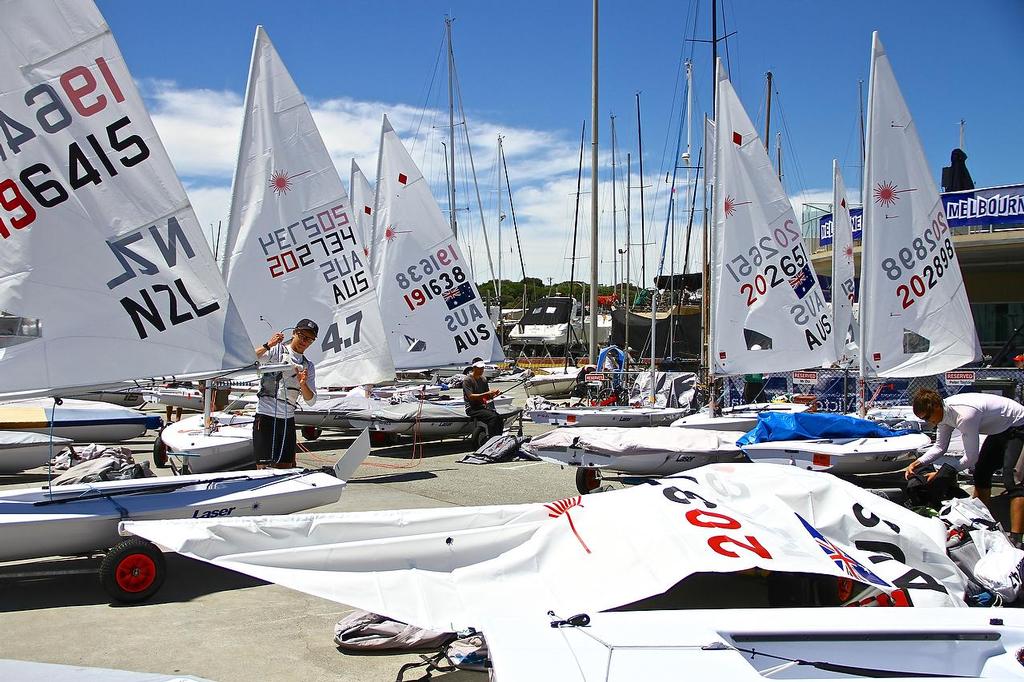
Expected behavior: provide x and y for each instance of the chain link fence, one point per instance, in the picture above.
(835, 390)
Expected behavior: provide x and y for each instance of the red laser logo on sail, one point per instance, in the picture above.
(730, 206)
(887, 193)
(281, 182)
(561, 507)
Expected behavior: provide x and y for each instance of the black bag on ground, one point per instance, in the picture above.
(924, 493)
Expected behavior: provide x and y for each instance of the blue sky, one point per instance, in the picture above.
(524, 71)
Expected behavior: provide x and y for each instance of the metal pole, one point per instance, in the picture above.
(451, 125)
(615, 226)
(768, 113)
(629, 193)
(592, 332)
(500, 218)
(778, 153)
(643, 231)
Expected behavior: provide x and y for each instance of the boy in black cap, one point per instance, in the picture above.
(273, 431)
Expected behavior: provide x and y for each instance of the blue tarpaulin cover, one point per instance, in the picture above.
(775, 426)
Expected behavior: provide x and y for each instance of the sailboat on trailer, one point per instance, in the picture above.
(93, 208)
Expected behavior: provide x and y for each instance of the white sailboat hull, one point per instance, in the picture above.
(739, 418)
(626, 417)
(842, 455)
(20, 451)
(715, 644)
(84, 421)
(227, 446)
(31, 526)
(131, 398)
(427, 420)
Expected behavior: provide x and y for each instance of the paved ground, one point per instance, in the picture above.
(226, 627)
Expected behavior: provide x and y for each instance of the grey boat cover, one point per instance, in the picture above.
(671, 389)
(425, 412)
(19, 439)
(612, 441)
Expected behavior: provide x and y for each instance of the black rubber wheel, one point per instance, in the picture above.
(133, 570)
(310, 432)
(587, 480)
(160, 452)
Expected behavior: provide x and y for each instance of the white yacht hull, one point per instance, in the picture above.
(83, 421)
(227, 446)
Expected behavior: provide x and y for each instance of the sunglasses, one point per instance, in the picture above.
(308, 338)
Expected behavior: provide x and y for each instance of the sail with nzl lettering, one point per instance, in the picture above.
(843, 277)
(431, 306)
(106, 273)
(768, 312)
(292, 248)
(915, 317)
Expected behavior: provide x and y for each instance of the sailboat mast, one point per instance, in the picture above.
(515, 225)
(451, 126)
(575, 231)
(866, 227)
(500, 218)
(615, 225)
(778, 154)
(592, 331)
(629, 242)
(768, 111)
(643, 231)
(860, 106)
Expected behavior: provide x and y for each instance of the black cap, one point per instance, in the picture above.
(307, 324)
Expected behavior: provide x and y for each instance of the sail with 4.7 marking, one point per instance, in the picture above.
(292, 249)
(915, 317)
(431, 306)
(101, 255)
(768, 312)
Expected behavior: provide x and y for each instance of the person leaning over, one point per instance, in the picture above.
(477, 393)
(273, 431)
(974, 414)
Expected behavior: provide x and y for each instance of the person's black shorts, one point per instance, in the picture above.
(273, 440)
(1001, 450)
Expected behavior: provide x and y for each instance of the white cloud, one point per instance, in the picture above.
(200, 129)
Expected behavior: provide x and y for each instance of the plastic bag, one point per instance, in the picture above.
(1000, 566)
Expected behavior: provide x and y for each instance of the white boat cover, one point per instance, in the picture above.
(616, 441)
(844, 288)
(431, 307)
(452, 568)
(292, 249)
(916, 319)
(93, 208)
(423, 411)
(15, 440)
(768, 312)
(623, 417)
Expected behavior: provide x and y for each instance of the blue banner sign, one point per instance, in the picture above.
(825, 225)
(975, 207)
(989, 206)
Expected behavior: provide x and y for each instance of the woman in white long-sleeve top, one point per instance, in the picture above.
(974, 414)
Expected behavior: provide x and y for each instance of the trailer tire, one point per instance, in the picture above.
(160, 452)
(133, 570)
(310, 432)
(588, 480)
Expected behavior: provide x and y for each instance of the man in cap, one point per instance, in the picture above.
(477, 394)
(273, 431)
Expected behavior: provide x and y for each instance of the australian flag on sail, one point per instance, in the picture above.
(459, 295)
(803, 281)
(844, 561)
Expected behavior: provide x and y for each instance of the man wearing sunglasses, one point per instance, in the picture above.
(273, 431)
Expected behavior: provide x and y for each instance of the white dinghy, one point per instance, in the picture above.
(426, 419)
(20, 450)
(737, 418)
(84, 421)
(225, 444)
(552, 382)
(842, 456)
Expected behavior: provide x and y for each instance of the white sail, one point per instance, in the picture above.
(769, 313)
(292, 249)
(100, 251)
(362, 202)
(431, 306)
(916, 319)
(843, 282)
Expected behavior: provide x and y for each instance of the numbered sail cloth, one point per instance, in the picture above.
(432, 309)
(449, 569)
(844, 290)
(768, 311)
(916, 319)
(293, 249)
(101, 254)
